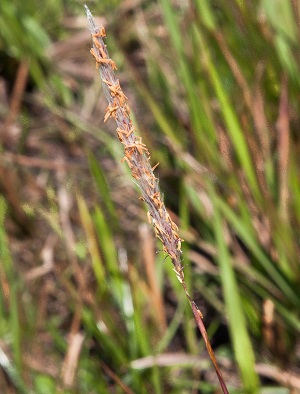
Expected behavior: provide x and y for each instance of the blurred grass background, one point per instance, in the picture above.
(88, 302)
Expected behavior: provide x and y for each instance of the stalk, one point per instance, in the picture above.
(137, 156)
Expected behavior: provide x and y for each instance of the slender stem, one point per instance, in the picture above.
(202, 329)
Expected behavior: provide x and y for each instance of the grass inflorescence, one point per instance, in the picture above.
(87, 305)
(137, 157)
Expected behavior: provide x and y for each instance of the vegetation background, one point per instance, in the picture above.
(88, 302)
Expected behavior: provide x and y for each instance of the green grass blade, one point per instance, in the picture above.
(14, 369)
(13, 373)
(252, 244)
(237, 323)
(230, 118)
(97, 261)
(108, 249)
(200, 121)
(103, 188)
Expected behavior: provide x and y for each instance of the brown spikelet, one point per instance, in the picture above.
(136, 153)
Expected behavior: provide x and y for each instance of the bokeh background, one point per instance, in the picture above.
(89, 303)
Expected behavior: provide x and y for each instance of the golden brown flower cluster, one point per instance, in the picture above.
(136, 153)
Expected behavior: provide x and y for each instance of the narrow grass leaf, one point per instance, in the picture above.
(112, 348)
(231, 120)
(88, 226)
(252, 244)
(13, 373)
(11, 278)
(105, 238)
(201, 123)
(103, 188)
(237, 323)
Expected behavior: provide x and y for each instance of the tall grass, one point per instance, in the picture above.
(222, 121)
